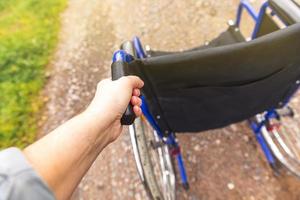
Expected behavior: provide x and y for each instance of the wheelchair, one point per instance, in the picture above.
(228, 80)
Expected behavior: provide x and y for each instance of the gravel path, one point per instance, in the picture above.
(221, 164)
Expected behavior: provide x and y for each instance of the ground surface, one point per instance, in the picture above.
(221, 164)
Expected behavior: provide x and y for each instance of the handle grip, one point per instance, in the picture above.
(118, 69)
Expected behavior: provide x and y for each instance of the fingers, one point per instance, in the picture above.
(136, 92)
(134, 81)
(137, 111)
(136, 101)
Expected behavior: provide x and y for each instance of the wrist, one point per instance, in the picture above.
(105, 125)
(98, 116)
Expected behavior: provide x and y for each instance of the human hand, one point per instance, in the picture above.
(111, 100)
(79, 141)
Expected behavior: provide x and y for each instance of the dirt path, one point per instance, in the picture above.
(221, 164)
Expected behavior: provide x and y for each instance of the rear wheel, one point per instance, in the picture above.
(283, 137)
(153, 160)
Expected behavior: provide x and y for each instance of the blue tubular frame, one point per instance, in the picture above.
(257, 127)
(139, 48)
(149, 117)
(121, 55)
(170, 140)
(244, 4)
(262, 11)
(259, 137)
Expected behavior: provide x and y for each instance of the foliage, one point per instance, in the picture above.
(28, 34)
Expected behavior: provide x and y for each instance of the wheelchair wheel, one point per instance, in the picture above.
(153, 161)
(283, 136)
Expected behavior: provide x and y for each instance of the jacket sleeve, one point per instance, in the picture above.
(18, 180)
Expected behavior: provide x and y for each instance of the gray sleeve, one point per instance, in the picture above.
(18, 180)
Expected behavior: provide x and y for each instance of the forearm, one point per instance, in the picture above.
(63, 156)
(70, 149)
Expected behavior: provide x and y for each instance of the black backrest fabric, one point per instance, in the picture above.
(211, 88)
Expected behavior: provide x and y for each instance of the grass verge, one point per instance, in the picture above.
(28, 36)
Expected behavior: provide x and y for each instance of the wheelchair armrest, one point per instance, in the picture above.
(287, 10)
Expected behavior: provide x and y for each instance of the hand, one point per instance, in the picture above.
(78, 142)
(112, 98)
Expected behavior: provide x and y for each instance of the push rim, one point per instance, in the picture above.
(162, 162)
(153, 161)
(283, 138)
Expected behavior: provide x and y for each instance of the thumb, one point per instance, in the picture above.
(132, 81)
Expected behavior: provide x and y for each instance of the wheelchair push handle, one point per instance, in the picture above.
(119, 69)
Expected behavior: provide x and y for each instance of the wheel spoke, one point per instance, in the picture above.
(155, 159)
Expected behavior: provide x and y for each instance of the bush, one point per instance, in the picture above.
(28, 34)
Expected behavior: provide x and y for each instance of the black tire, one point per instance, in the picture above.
(154, 161)
(283, 138)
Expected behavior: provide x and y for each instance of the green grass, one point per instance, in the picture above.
(28, 36)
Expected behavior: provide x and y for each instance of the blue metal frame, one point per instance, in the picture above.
(259, 137)
(244, 4)
(149, 117)
(262, 11)
(171, 140)
(257, 127)
(121, 55)
(139, 48)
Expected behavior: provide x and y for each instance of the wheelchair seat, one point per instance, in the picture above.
(222, 83)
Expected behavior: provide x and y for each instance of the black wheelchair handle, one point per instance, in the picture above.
(118, 70)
